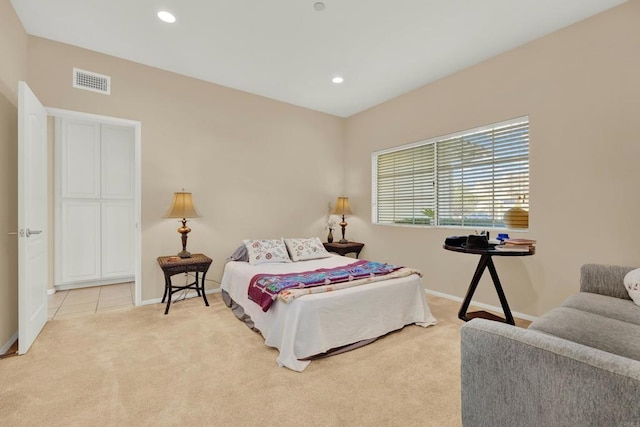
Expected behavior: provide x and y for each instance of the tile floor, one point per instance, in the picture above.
(80, 302)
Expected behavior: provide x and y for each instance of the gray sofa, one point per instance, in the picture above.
(577, 365)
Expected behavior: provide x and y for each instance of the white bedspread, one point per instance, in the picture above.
(316, 323)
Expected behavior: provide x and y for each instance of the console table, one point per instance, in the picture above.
(172, 265)
(486, 261)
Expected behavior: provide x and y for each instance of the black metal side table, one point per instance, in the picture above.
(172, 265)
(486, 262)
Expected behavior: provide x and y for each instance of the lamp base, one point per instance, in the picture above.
(184, 231)
(184, 254)
(343, 224)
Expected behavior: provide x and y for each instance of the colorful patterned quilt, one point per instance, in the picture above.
(264, 289)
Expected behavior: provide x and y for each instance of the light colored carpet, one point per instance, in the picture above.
(200, 366)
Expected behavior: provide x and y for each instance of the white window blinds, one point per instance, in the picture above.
(406, 185)
(466, 179)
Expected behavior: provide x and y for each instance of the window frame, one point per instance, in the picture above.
(436, 222)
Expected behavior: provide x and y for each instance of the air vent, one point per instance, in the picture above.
(94, 82)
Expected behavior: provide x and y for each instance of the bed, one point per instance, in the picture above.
(313, 324)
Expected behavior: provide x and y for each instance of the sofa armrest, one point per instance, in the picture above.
(604, 279)
(520, 377)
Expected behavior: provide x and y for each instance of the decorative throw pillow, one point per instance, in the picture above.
(632, 283)
(264, 251)
(239, 254)
(304, 249)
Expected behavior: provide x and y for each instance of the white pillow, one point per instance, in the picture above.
(632, 283)
(266, 251)
(304, 249)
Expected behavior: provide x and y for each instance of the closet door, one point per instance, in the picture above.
(117, 239)
(95, 203)
(80, 241)
(117, 190)
(117, 162)
(80, 159)
(79, 222)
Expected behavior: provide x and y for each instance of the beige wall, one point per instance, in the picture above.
(8, 220)
(581, 89)
(13, 51)
(257, 168)
(13, 66)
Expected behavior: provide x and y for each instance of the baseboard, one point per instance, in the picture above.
(92, 283)
(9, 343)
(480, 305)
(190, 294)
(51, 291)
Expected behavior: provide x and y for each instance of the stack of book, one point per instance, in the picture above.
(518, 245)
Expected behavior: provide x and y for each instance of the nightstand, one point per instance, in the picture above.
(344, 248)
(172, 265)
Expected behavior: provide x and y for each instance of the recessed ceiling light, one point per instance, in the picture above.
(166, 16)
(337, 79)
(319, 6)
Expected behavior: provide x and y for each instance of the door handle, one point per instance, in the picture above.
(13, 233)
(30, 232)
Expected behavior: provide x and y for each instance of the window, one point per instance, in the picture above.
(470, 178)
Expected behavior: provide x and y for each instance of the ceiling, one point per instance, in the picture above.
(288, 51)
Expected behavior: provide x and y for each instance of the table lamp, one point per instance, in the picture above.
(182, 207)
(517, 217)
(342, 208)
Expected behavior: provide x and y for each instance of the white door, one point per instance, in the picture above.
(117, 182)
(32, 217)
(117, 239)
(77, 201)
(80, 240)
(95, 202)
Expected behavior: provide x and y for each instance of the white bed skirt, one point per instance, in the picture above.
(314, 324)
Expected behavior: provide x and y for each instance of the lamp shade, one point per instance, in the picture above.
(182, 206)
(342, 207)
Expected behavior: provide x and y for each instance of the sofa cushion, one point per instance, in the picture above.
(615, 308)
(604, 279)
(593, 330)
